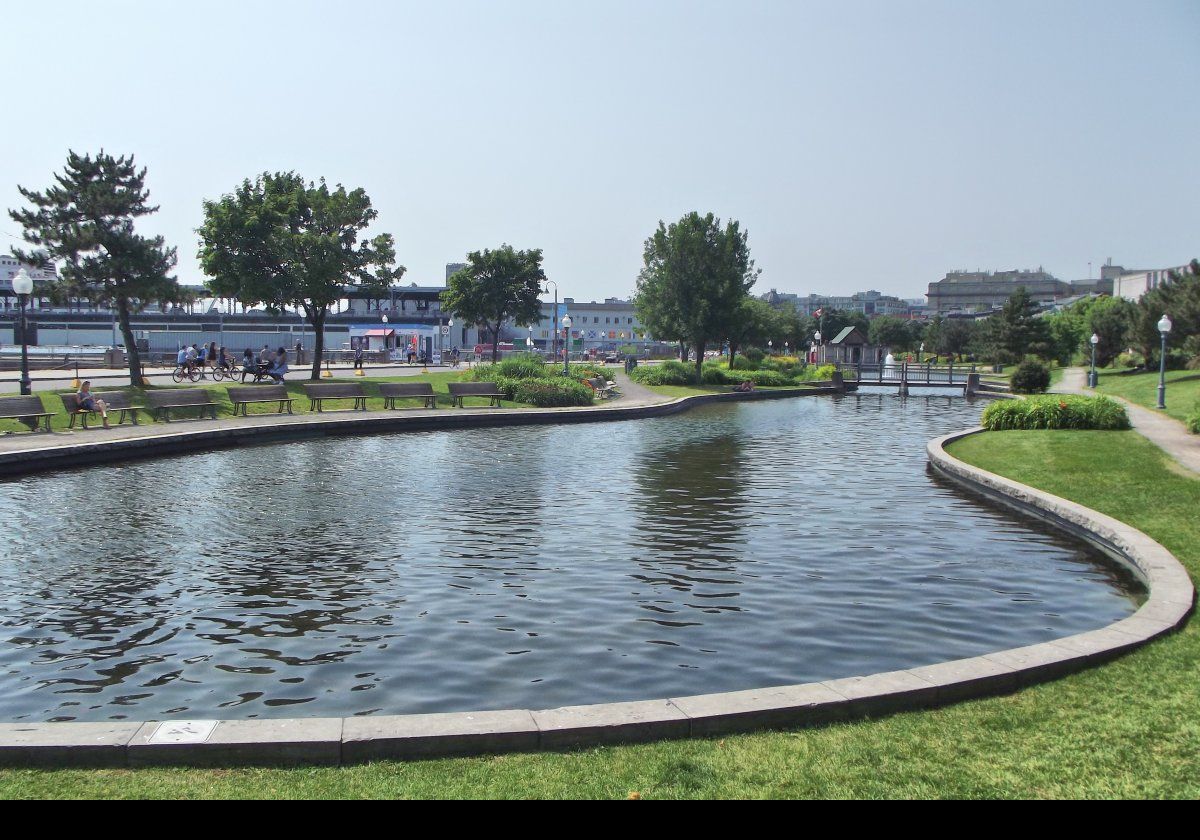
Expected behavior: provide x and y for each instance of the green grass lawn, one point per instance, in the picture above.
(1128, 729)
(219, 391)
(1183, 390)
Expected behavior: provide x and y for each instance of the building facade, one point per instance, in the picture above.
(974, 291)
(1132, 285)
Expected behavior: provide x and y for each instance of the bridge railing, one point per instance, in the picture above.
(912, 373)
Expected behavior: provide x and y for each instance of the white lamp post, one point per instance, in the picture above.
(385, 323)
(1093, 378)
(529, 341)
(23, 286)
(1164, 328)
(566, 325)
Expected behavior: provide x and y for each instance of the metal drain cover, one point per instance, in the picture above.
(183, 732)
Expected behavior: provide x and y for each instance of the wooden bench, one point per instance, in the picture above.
(243, 396)
(318, 392)
(602, 387)
(29, 410)
(459, 390)
(116, 400)
(392, 391)
(161, 402)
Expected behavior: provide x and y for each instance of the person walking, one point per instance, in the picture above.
(358, 355)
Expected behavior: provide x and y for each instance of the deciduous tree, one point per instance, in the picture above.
(694, 278)
(286, 243)
(496, 286)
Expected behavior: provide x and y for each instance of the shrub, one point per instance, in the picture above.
(1193, 420)
(762, 378)
(1031, 378)
(754, 354)
(740, 362)
(820, 374)
(713, 374)
(523, 366)
(668, 373)
(550, 393)
(1056, 412)
(1128, 360)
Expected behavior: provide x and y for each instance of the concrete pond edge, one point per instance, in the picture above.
(337, 741)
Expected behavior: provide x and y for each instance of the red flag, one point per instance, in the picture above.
(818, 313)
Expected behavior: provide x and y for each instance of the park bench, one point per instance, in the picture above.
(29, 410)
(318, 392)
(243, 396)
(161, 402)
(602, 387)
(392, 391)
(460, 390)
(116, 400)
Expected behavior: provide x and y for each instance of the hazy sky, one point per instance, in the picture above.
(862, 144)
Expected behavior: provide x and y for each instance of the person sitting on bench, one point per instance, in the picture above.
(249, 365)
(89, 402)
(279, 367)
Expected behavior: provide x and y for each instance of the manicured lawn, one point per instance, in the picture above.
(1183, 390)
(1128, 729)
(220, 393)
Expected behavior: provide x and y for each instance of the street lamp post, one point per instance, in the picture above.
(566, 325)
(770, 347)
(384, 319)
(23, 286)
(529, 341)
(1164, 327)
(1093, 378)
(817, 339)
(553, 321)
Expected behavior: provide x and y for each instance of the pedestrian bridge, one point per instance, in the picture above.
(906, 375)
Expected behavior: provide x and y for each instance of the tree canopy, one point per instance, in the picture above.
(695, 277)
(286, 243)
(84, 224)
(495, 286)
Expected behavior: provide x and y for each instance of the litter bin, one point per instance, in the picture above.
(997, 368)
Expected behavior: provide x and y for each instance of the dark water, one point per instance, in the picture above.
(733, 547)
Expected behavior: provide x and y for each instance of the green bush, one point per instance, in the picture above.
(1193, 420)
(668, 373)
(713, 374)
(550, 393)
(762, 378)
(742, 363)
(1055, 412)
(1031, 378)
(824, 373)
(754, 354)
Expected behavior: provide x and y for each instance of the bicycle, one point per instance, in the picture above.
(188, 372)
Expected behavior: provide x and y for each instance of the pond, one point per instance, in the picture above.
(733, 547)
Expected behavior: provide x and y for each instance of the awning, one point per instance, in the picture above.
(380, 333)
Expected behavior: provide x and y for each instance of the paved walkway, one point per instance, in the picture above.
(102, 378)
(1162, 430)
(632, 395)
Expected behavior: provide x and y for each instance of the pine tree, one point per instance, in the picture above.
(85, 226)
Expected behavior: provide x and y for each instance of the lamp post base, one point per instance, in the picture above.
(1162, 398)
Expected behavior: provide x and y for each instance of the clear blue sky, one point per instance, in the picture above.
(863, 144)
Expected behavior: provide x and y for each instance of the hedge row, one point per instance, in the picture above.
(1055, 412)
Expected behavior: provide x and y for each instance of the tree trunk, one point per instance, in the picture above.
(683, 350)
(317, 321)
(496, 343)
(699, 360)
(732, 353)
(131, 351)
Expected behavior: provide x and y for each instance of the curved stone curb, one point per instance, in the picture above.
(331, 741)
(45, 455)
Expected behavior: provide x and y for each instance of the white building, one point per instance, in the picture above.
(1132, 285)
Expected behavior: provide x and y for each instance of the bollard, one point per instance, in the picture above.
(972, 384)
(839, 382)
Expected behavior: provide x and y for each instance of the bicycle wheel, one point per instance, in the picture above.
(177, 375)
(194, 374)
(219, 374)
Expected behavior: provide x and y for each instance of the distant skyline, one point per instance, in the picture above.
(864, 145)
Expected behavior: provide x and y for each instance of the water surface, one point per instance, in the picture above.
(732, 547)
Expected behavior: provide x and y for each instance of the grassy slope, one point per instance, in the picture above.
(1183, 390)
(295, 387)
(1129, 729)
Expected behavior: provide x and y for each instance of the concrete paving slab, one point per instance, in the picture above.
(882, 694)
(65, 744)
(742, 711)
(965, 678)
(611, 723)
(424, 736)
(315, 741)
